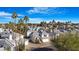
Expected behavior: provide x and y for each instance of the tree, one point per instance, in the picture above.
(0, 25)
(22, 26)
(10, 25)
(20, 21)
(14, 16)
(53, 21)
(25, 19)
(43, 23)
(20, 46)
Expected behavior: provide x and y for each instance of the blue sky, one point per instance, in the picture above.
(38, 14)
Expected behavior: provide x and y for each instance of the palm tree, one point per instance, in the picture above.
(53, 21)
(0, 25)
(14, 16)
(10, 25)
(20, 21)
(21, 25)
(43, 23)
(26, 18)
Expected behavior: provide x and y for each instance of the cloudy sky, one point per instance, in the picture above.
(38, 14)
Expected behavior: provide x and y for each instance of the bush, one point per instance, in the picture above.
(69, 41)
(20, 47)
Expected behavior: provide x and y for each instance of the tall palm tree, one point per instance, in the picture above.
(0, 25)
(10, 25)
(26, 18)
(20, 21)
(14, 16)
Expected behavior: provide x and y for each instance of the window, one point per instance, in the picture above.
(1, 46)
(5, 33)
(45, 35)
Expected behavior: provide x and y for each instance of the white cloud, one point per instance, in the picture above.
(20, 15)
(45, 10)
(4, 14)
(7, 15)
(35, 20)
(38, 10)
(38, 20)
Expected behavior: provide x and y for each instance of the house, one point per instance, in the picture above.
(31, 29)
(34, 37)
(28, 33)
(44, 36)
(5, 43)
(10, 39)
(39, 36)
(1, 30)
(26, 42)
(5, 34)
(1, 44)
(55, 33)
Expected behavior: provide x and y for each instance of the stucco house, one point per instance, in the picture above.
(34, 37)
(1, 30)
(6, 44)
(39, 36)
(44, 36)
(10, 39)
(28, 33)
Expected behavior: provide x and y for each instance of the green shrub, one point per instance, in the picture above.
(69, 41)
(20, 47)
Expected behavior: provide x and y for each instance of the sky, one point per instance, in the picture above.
(38, 14)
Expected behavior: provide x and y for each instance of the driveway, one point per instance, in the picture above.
(47, 45)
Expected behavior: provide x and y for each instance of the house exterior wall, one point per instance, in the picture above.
(26, 42)
(28, 33)
(45, 40)
(1, 30)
